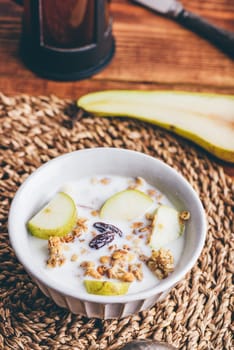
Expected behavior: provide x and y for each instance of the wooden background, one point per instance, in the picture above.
(152, 52)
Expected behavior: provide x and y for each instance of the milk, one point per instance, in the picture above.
(89, 194)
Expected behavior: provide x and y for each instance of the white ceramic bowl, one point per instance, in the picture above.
(47, 180)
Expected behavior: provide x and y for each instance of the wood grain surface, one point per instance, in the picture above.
(152, 52)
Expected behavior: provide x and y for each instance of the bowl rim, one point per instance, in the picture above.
(161, 287)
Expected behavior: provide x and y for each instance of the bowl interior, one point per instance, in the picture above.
(48, 179)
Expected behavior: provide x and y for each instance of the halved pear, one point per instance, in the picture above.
(206, 119)
(57, 218)
(126, 205)
(166, 227)
(106, 287)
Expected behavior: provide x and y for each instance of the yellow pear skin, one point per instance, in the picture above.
(107, 288)
(57, 218)
(206, 119)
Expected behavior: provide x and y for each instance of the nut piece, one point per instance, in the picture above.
(185, 215)
(112, 247)
(89, 269)
(119, 254)
(81, 224)
(138, 182)
(149, 216)
(56, 258)
(74, 257)
(143, 258)
(105, 181)
(76, 232)
(93, 273)
(104, 259)
(136, 270)
(145, 228)
(129, 237)
(87, 264)
(151, 192)
(102, 269)
(70, 237)
(137, 224)
(161, 263)
(127, 277)
(115, 272)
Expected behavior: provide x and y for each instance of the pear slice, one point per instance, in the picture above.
(166, 227)
(126, 205)
(206, 119)
(57, 218)
(106, 287)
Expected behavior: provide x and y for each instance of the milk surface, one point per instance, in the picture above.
(89, 194)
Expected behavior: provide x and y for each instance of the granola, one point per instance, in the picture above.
(161, 263)
(81, 226)
(100, 250)
(137, 183)
(185, 215)
(116, 266)
(55, 248)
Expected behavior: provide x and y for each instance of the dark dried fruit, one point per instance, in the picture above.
(107, 235)
(103, 227)
(100, 240)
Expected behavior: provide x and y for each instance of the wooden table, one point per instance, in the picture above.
(153, 52)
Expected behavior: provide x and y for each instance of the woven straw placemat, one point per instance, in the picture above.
(197, 312)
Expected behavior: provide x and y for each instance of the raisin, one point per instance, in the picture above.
(103, 227)
(100, 226)
(100, 240)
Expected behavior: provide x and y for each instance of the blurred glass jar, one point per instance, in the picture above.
(67, 40)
